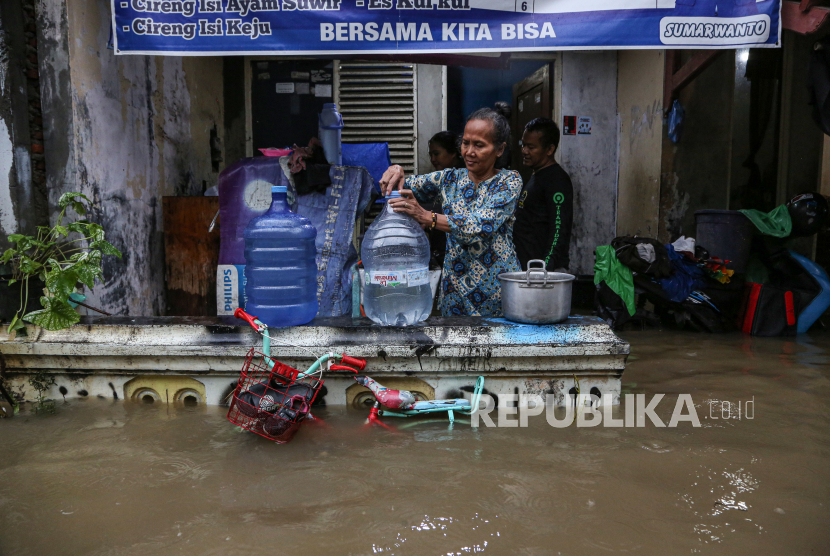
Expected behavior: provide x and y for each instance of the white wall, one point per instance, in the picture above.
(589, 88)
(431, 111)
(8, 220)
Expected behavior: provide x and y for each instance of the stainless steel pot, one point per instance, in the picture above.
(536, 296)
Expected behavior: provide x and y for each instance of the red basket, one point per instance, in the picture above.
(271, 402)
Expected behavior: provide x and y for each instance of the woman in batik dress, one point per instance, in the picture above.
(478, 204)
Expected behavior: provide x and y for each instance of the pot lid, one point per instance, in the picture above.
(537, 277)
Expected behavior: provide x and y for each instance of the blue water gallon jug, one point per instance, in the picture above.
(329, 126)
(280, 266)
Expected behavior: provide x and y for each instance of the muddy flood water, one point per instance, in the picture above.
(114, 478)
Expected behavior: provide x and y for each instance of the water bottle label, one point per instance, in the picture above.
(417, 277)
(386, 278)
(393, 278)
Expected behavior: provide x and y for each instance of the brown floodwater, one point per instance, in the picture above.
(119, 478)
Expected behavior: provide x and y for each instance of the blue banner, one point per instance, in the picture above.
(216, 27)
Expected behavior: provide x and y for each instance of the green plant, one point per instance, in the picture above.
(41, 381)
(61, 256)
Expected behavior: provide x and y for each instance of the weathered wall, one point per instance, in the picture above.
(138, 129)
(56, 98)
(640, 104)
(589, 88)
(695, 171)
(22, 183)
(9, 70)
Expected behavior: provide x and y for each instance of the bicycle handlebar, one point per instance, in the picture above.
(240, 314)
(353, 362)
(342, 368)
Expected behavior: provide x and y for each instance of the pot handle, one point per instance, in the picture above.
(532, 269)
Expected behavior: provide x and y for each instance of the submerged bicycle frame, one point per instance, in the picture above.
(343, 362)
(459, 405)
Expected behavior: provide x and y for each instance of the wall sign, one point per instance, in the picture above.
(214, 27)
(569, 125)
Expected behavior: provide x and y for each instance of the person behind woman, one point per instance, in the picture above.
(478, 203)
(444, 153)
(505, 159)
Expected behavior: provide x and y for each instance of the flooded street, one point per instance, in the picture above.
(114, 478)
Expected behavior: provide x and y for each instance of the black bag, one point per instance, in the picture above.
(697, 312)
(292, 413)
(610, 307)
(259, 398)
(626, 251)
(773, 308)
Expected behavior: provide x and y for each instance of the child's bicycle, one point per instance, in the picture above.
(401, 403)
(272, 399)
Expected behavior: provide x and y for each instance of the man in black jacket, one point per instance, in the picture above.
(544, 214)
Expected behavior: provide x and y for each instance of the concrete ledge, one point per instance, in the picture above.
(100, 355)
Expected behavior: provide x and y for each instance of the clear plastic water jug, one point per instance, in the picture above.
(329, 126)
(395, 255)
(280, 266)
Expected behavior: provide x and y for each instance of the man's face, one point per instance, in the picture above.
(534, 154)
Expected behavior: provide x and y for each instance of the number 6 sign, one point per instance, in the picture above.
(525, 5)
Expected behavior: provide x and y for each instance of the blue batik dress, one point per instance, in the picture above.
(480, 240)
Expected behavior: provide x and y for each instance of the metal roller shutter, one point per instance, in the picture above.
(378, 103)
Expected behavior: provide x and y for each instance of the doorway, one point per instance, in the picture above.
(532, 98)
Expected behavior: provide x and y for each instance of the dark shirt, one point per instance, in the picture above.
(544, 216)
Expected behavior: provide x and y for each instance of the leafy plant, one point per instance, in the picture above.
(62, 256)
(41, 381)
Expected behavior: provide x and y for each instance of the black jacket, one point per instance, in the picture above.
(544, 217)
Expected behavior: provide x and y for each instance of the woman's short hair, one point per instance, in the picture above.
(499, 117)
(447, 141)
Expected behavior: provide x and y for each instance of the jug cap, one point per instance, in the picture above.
(330, 105)
(393, 195)
(279, 189)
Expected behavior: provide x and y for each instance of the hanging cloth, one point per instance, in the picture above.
(776, 223)
(333, 212)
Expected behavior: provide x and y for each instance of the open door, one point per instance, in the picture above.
(532, 98)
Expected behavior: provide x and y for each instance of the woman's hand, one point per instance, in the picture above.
(392, 180)
(407, 204)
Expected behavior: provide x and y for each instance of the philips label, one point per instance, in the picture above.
(230, 288)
